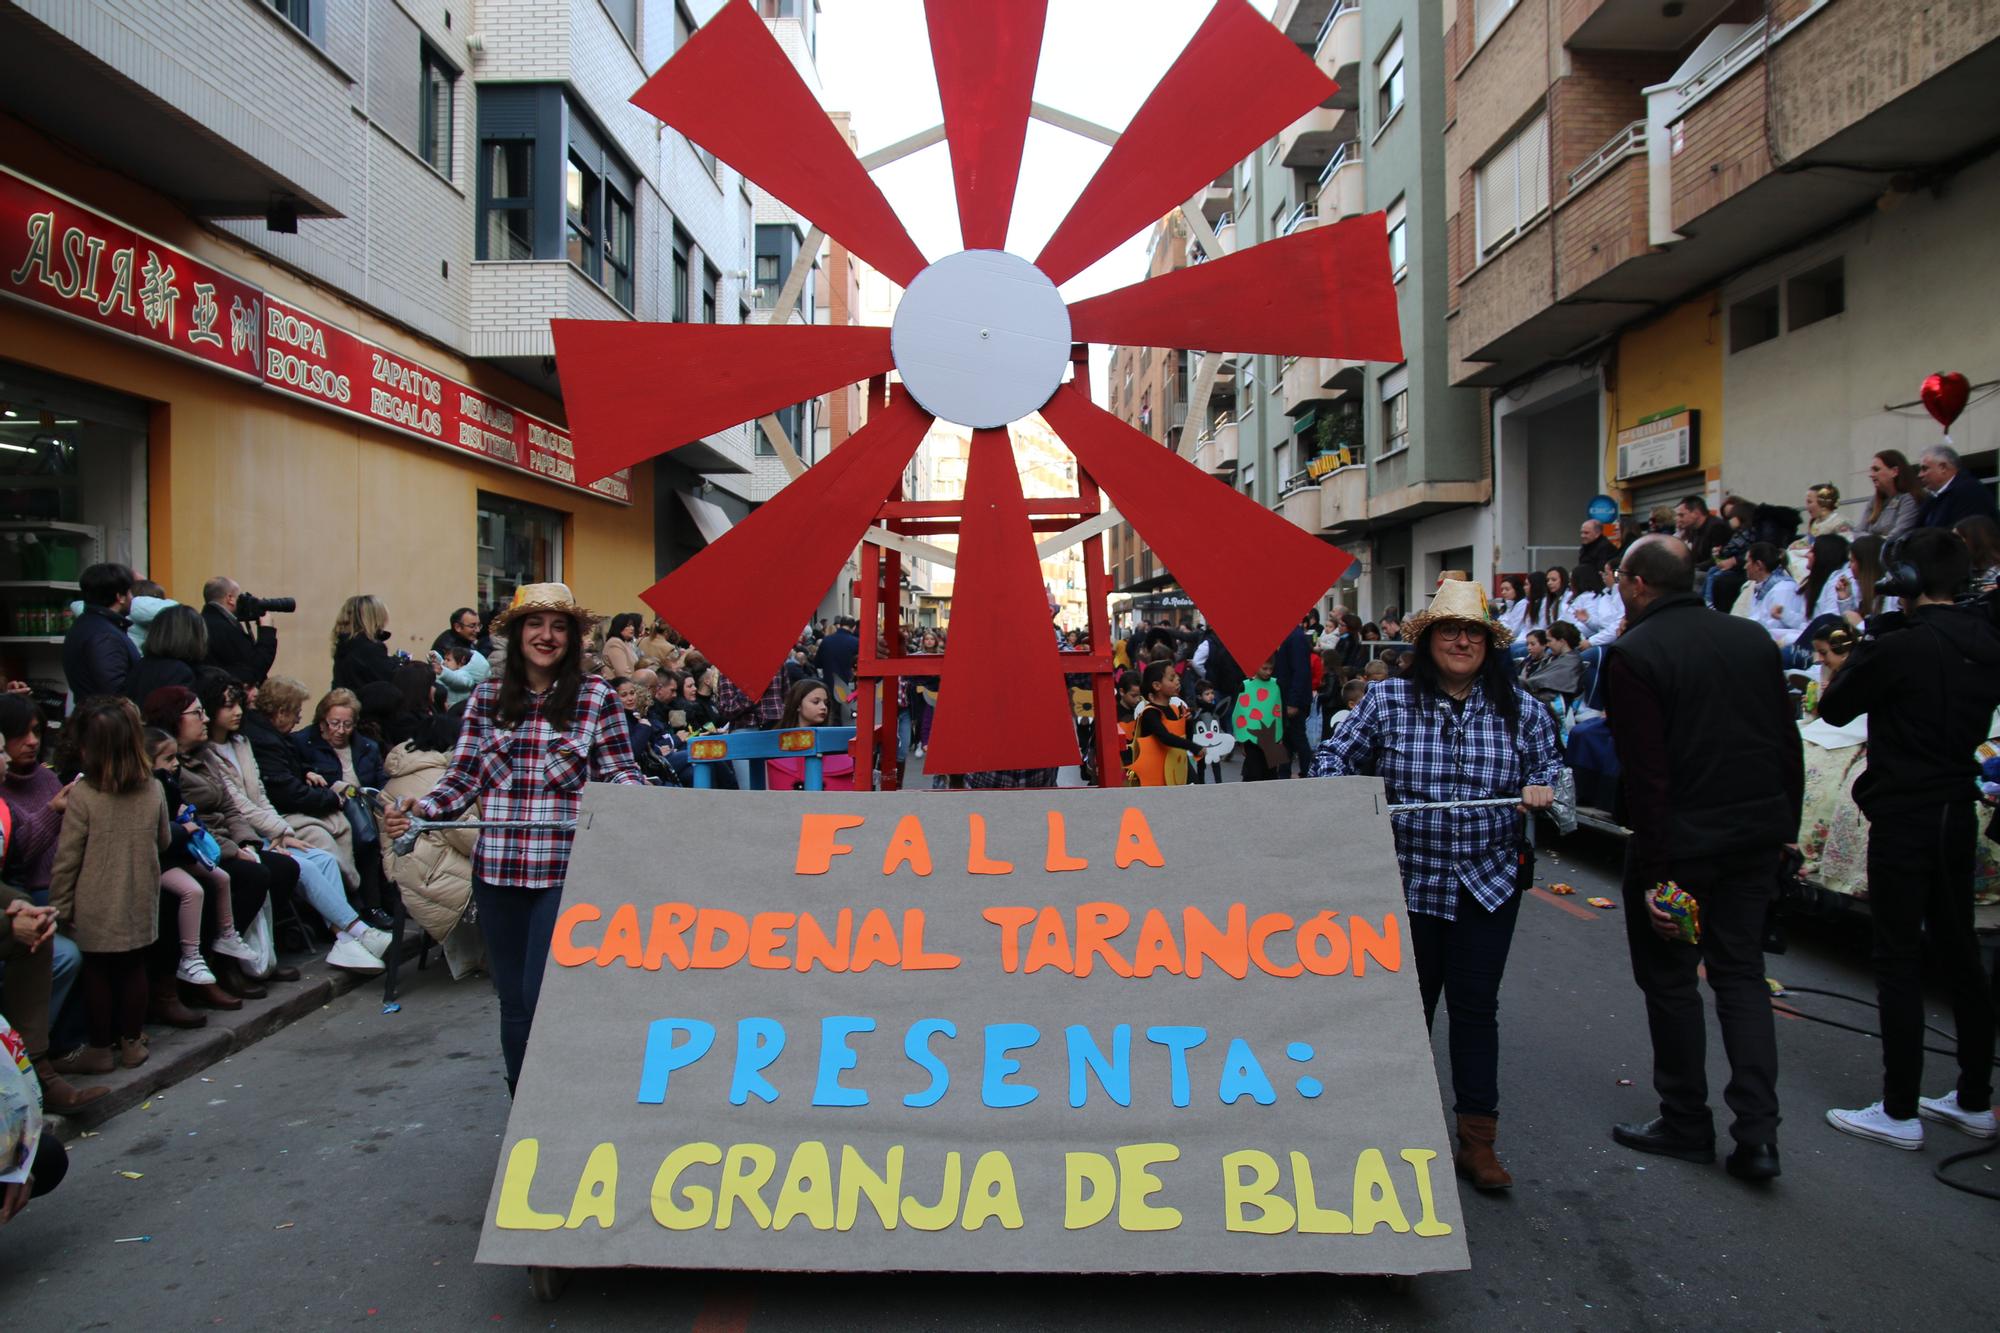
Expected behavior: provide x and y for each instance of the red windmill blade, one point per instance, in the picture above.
(983, 338)
(1028, 724)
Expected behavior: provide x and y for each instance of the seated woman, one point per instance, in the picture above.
(259, 851)
(808, 704)
(176, 643)
(435, 875)
(1558, 674)
(344, 759)
(310, 806)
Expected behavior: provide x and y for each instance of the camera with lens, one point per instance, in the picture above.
(1901, 578)
(250, 608)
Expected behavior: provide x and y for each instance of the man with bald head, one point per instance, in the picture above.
(1713, 780)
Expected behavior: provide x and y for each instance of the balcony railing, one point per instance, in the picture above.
(1745, 49)
(1344, 7)
(1346, 154)
(1628, 142)
(1297, 482)
(1307, 211)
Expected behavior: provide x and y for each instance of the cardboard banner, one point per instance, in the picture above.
(57, 254)
(1076, 1031)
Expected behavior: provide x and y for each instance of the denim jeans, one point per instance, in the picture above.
(517, 924)
(320, 882)
(1463, 960)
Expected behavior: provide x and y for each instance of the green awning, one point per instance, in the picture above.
(1306, 421)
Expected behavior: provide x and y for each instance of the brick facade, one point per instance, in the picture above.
(1601, 226)
(1722, 146)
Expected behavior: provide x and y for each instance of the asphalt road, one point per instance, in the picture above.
(336, 1175)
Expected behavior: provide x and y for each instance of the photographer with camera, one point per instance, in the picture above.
(228, 611)
(1929, 681)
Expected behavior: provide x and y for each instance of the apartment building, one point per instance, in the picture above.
(1714, 246)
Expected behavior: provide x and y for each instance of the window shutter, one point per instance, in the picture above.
(1496, 198)
(1534, 166)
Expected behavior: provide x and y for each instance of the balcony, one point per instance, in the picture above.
(1225, 233)
(1219, 198)
(1301, 20)
(1299, 384)
(1340, 378)
(1216, 452)
(1298, 503)
(1338, 52)
(1343, 184)
(1310, 141)
(1303, 217)
(1617, 25)
(1343, 497)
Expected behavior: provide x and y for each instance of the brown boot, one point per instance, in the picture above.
(166, 1007)
(1475, 1159)
(132, 1052)
(60, 1095)
(234, 980)
(209, 995)
(85, 1060)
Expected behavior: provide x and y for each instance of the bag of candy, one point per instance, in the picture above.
(1679, 904)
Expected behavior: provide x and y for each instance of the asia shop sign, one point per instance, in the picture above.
(1035, 1032)
(59, 255)
(1659, 444)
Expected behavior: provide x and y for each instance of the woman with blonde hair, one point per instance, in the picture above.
(360, 643)
(1823, 519)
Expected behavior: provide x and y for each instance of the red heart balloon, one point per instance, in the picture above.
(1944, 397)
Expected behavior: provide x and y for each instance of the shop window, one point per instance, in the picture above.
(1389, 82)
(518, 543)
(1753, 320)
(439, 83)
(1816, 295)
(550, 187)
(1512, 186)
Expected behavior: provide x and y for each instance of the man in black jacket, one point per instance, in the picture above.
(1292, 668)
(1954, 492)
(463, 632)
(230, 646)
(96, 652)
(1714, 779)
(836, 657)
(1929, 683)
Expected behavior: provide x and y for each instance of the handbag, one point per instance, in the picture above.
(261, 939)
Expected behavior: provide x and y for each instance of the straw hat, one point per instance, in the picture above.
(1460, 600)
(532, 597)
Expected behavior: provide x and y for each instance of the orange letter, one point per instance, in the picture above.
(1273, 923)
(1156, 946)
(914, 957)
(976, 860)
(767, 936)
(1058, 855)
(1135, 840)
(1096, 925)
(815, 949)
(1050, 945)
(907, 845)
(670, 922)
(1385, 948)
(875, 942)
(1010, 920)
(562, 947)
(621, 938)
(733, 931)
(817, 847)
(1229, 951)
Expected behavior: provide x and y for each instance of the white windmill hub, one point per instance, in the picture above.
(981, 338)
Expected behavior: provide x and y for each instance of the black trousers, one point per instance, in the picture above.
(1463, 960)
(1735, 894)
(519, 925)
(1295, 743)
(1920, 885)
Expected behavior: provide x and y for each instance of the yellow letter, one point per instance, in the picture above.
(937, 1216)
(1420, 1161)
(808, 1189)
(1313, 1219)
(514, 1214)
(1375, 1199)
(1082, 1210)
(742, 1185)
(701, 1200)
(1274, 1215)
(597, 1190)
(858, 1178)
(1136, 1183)
(991, 1193)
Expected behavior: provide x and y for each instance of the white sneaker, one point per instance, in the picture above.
(1872, 1122)
(1945, 1110)
(376, 941)
(233, 944)
(353, 956)
(195, 971)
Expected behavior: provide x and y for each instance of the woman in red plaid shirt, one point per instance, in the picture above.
(530, 741)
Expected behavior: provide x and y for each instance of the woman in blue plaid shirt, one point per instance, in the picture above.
(530, 741)
(1458, 728)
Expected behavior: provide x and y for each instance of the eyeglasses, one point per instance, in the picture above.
(195, 710)
(1459, 633)
(331, 725)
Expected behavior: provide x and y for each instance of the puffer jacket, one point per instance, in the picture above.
(436, 877)
(207, 786)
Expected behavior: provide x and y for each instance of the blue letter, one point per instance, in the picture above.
(1243, 1077)
(1113, 1075)
(1178, 1041)
(835, 1055)
(663, 1057)
(917, 1045)
(758, 1042)
(994, 1089)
